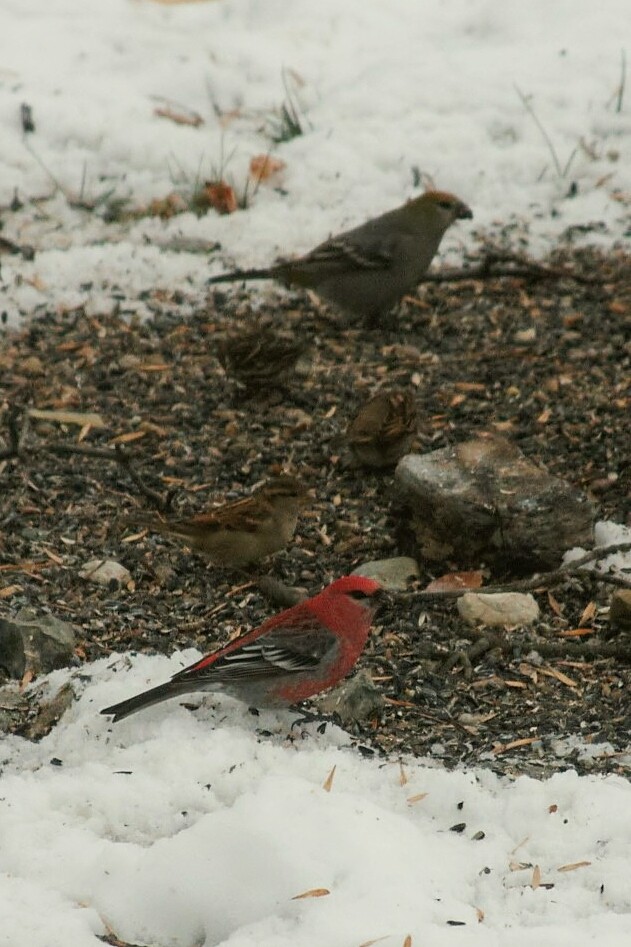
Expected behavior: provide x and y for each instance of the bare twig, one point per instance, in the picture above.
(561, 171)
(545, 580)
(162, 502)
(495, 264)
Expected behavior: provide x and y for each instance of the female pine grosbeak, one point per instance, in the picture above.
(290, 657)
(365, 271)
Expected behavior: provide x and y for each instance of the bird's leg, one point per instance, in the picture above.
(308, 716)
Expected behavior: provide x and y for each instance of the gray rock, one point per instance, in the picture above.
(32, 642)
(393, 574)
(484, 501)
(499, 608)
(620, 610)
(355, 699)
(105, 572)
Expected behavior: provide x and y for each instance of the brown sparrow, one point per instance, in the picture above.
(365, 271)
(242, 532)
(261, 357)
(383, 430)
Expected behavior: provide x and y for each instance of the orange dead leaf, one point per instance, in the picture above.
(27, 677)
(179, 117)
(536, 877)
(479, 913)
(264, 167)
(408, 941)
(127, 438)
(576, 633)
(328, 782)
(589, 612)
(218, 195)
(553, 808)
(10, 590)
(554, 605)
(312, 893)
(455, 580)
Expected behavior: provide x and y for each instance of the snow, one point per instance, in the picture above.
(183, 828)
(382, 89)
(177, 828)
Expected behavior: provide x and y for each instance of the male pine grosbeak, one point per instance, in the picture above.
(289, 658)
(365, 271)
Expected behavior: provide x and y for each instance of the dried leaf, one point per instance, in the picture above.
(559, 675)
(264, 167)
(408, 941)
(589, 612)
(536, 877)
(455, 580)
(403, 777)
(10, 590)
(554, 605)
(576, 632)
(128, 438)
(312, 893)
(179, 117)
(220, 196)
(328, 782)
(479, 913)
(412, 800)
(514, 744)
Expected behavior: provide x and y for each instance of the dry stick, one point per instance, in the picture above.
(544, 579)
(162, 502)
(488, 641)
(496, 263)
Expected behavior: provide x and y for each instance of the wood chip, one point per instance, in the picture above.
(412, 800)
(312, 893)
(574, 865)
(328, 782)
(68, 417)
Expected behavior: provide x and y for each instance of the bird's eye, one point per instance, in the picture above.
(360, 595)
(446, 205)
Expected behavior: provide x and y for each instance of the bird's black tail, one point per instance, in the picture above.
(237, 275)
(153, 696)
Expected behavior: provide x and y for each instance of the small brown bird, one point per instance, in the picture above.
(383, 430)
(261, 357)
(240, 533)
(365, 271)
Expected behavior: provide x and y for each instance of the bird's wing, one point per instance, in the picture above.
(297, 647)
(345, 252)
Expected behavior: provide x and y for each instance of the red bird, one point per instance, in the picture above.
(289, 658)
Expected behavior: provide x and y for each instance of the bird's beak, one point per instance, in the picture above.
(464, 212)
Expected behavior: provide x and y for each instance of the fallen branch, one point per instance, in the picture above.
(161, 501)
(495, 264)
(546, 580)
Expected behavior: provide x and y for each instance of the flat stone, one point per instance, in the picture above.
(498, 608)
(356, 699)
(483, 501)
(393, 574)
(36, 643)
(105, 572)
